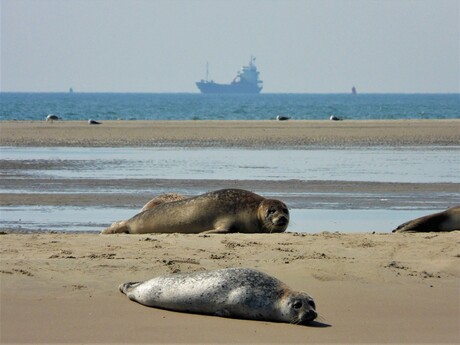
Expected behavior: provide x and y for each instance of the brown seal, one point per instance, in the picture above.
(448, 220)
(222, 211)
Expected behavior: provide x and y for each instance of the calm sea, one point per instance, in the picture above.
(130, 106)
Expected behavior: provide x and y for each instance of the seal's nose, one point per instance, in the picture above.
(310, 316)
(281, 221)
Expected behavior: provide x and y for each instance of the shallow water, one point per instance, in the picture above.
(343, 211)
(424, 165)
(94, 219)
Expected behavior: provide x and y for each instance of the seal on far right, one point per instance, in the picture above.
(448, 220)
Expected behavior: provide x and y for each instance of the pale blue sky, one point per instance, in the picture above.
(305, 46)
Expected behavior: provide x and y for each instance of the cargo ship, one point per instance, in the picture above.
(246, 81)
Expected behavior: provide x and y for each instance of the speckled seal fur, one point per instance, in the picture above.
(222, 211)
(233, 292)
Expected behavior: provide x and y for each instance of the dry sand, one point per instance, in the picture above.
(369, 288)
(230, 133)
(380, 288)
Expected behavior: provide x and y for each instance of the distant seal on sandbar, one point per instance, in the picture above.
(52, 117)
(282, 118)
(232, 292)
(448, 220)
(222, 211)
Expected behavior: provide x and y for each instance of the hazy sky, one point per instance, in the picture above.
(305, 46)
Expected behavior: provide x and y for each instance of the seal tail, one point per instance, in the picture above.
(127, 287)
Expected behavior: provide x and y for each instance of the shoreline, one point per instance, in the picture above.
(229, 133)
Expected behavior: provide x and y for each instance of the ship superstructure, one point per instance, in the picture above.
(246, 81)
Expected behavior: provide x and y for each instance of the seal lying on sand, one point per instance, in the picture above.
(222, 211)
(448, 220)
(52, 117)
(232, 292)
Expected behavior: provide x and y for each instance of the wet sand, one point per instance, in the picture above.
(297, 193)
(369, 288)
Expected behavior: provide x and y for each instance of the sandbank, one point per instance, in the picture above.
(273, 134)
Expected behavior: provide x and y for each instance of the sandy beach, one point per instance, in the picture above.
(62, 287)
(272, 134)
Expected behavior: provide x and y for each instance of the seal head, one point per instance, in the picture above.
(299, 308)
(274, 215)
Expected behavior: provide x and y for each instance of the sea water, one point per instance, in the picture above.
(132, 106)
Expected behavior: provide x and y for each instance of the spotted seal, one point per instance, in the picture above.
(232, 292)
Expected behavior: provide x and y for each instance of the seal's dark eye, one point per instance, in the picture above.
(271, 210)
(312, 304)
(297, 305)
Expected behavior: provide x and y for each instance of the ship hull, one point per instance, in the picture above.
(244, 88)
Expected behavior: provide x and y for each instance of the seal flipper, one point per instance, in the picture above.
(400, 227)
(119, 227)
(218, 231)
(223, 313)
(127, 287)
